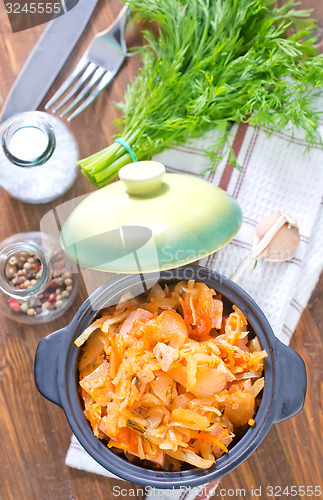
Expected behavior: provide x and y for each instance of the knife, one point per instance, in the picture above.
(47, 59)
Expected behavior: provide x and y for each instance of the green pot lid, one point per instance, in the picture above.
(150, 221)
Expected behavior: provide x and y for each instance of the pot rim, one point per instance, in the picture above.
(71, 404)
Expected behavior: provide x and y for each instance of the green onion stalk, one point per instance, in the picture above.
(210, 64)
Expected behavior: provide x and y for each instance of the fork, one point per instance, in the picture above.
(95, 70)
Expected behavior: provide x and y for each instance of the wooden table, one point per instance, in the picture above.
(34, 433)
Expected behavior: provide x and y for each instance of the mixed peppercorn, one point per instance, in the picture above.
(23, 272)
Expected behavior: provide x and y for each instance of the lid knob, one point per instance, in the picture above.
(142, 177)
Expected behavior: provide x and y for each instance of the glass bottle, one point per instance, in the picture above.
(38, 155)
(37, 282)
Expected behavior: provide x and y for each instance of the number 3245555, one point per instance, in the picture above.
(293, 491)
(33, 8)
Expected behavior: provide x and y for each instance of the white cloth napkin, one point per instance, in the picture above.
(276, 175)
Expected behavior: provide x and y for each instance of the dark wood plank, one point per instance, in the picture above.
(34, 433)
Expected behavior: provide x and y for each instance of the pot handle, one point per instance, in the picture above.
(293, 383)
(45, 365)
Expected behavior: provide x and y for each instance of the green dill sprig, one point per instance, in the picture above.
(212, 63)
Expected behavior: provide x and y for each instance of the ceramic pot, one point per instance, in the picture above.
(56, 377)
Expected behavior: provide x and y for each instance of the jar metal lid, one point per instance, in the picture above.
(28, 140)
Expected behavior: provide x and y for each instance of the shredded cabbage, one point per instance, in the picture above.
(168, 377)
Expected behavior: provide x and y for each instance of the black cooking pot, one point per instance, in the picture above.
(56, 376)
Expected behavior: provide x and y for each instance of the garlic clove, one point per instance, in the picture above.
(278, 238)
(283, 244)
(265, 224)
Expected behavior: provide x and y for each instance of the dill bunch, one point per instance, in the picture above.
(211, 63)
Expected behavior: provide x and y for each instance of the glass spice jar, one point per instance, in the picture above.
(37, 282)
(38, 155)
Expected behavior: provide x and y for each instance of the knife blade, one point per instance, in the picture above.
(47, 59)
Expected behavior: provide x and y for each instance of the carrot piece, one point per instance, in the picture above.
(206, 437)
(120, 446)
(123, 434)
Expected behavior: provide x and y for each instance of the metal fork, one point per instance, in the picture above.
(95, 70)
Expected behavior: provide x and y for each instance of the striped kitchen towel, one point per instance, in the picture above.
(276, 174)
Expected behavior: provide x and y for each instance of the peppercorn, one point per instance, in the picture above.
(23, 271)
(14, 305)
